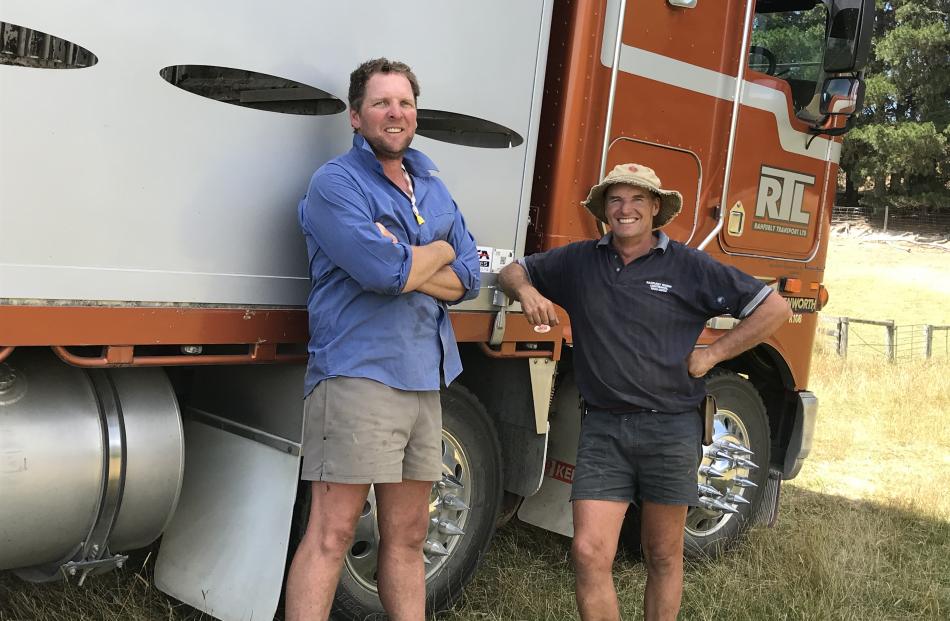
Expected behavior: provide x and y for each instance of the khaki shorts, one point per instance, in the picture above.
(357, 430)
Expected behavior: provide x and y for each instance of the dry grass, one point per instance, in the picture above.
(127, 595)
(827, 559)
(883, 433)
(897, 280)
(876, 280)
(864, 531)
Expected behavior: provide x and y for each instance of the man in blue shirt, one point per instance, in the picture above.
(388, 249)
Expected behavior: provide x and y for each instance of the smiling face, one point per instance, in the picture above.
(630, 210)
(387, 115)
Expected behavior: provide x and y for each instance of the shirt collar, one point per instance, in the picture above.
(662, 241)
(416, 162)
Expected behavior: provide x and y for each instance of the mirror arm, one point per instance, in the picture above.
(836, 131)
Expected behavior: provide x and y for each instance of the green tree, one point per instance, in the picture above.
(902, 138)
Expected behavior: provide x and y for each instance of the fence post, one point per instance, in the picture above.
(843, 336)
(890, 343)
(887, 213)
(928, 341)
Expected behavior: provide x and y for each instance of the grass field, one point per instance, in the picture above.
(876, 280)
(903, 282)
(863, 532)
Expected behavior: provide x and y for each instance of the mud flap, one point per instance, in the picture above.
(225, 549)
(766, 512)
(550, 508)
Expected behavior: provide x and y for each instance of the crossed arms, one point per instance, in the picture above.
(339, 217)
(430, 272)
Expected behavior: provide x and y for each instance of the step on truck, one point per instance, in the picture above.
(153, 280)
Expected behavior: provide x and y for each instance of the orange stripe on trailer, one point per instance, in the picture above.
(22, 325)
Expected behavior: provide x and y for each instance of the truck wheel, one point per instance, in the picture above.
(462, 512)
(740, 420)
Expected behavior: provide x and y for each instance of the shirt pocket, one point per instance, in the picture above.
(388, 212)
(438, 210)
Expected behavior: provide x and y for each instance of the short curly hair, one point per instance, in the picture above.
(365, 71)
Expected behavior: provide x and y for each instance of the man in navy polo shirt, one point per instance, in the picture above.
(637, 303)
(388, 249)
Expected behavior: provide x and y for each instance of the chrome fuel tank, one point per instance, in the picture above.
(91, 461)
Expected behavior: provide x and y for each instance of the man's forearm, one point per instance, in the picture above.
(766, 319)
(512, 280)
(443, 285)
(426, 261)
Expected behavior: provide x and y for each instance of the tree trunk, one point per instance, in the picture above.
(850, 191)
(880, 189)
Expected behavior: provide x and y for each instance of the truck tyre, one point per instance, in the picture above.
(740, 419)
(468, 497)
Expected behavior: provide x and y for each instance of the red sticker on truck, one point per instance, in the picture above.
(559, 470)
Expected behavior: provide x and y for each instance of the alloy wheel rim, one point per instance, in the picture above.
(449, 513)
(728, 427)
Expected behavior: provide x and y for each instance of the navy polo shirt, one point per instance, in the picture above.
(635, 325)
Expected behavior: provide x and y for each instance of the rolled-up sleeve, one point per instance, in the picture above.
(465, 265)
(549, 273)
(339, 218)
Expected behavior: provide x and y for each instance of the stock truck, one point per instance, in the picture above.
(153, 280)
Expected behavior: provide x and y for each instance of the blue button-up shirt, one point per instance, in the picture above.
(361, 324)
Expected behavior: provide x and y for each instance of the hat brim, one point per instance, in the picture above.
(671, 201)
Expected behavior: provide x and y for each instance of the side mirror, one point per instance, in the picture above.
(849, 37)
(841, 96)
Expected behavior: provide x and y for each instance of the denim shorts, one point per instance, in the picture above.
(645, 455)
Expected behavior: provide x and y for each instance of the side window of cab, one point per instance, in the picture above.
(788, 42)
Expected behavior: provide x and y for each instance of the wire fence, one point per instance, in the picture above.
(888, 220)
(903, 343)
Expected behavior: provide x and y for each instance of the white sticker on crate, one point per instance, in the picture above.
(500, 258)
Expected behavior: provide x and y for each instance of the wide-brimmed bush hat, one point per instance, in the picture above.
(671, 201)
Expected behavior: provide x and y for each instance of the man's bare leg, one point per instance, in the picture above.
(403, 513)
(596, 530)
(315, 570)
(661, 536)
